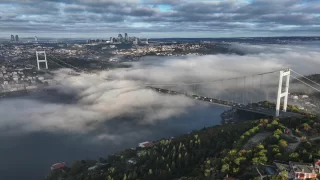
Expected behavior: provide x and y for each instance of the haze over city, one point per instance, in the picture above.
(159, 89)
(159, 18)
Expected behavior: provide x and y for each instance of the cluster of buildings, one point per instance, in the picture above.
(19, 77)
(99, 164)
(14, 38)
(306, 102)
(120, 39)
(293, 170)
(163, 50)
(15, 52)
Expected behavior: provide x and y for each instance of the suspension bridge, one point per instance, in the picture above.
(240, 93)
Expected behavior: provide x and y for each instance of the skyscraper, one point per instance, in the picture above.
(12, 37)
(36, 39)
(17, 38)
(120, 37)
(125, 37)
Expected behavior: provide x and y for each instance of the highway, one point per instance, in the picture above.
(254, 109)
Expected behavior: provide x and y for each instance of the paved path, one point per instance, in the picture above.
(315, 138)
(293, 146)
(256, 139)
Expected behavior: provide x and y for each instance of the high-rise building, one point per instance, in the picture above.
(12, 37)
(126, 37)
(17, 38)
(120, 38)
(35, 39)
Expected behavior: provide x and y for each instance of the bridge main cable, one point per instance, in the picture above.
(305, 83)
(205, 82)
(305, 77)
(66, 63)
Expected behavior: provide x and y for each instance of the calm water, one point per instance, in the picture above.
(30, 156)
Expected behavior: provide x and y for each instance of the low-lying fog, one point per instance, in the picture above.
(112, 110)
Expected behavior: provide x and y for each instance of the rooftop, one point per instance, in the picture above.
(302, 167)
(58, 166)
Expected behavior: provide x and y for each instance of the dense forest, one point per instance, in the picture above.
(211, 153)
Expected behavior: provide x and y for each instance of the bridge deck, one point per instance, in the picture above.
(254, 109)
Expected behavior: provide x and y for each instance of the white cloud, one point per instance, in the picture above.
(99, 100)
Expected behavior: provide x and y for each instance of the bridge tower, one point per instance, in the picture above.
(41, 60)
(283, 73)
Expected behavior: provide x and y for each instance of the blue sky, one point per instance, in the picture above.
(159, 18)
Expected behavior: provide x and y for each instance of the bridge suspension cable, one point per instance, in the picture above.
(57, 63)
(305, 77)
(206, 82)
(251, 94)
(244, 89)
(305, 83)
(65, 63)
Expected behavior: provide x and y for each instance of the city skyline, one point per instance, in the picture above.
(159, 18)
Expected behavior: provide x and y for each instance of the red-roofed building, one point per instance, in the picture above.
(301, 171)
(317, 165)
(58, 166)
(145, 144)
(229, 178)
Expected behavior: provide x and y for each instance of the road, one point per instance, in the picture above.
(315, 138)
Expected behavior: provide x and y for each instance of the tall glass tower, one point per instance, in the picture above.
(125, 37)
(120, 37)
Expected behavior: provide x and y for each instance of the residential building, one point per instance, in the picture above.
(302, 170)
(317, 165)
(98, 165)
(145, 144)
(131, 161)
(229, 178)
(58, 166)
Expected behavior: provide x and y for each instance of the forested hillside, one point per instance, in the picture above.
(212, 153)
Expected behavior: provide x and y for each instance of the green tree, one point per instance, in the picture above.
(260, 146)
(294, 156)
(277, 132)
(276, 150)
(225, 168)
(283, 143)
